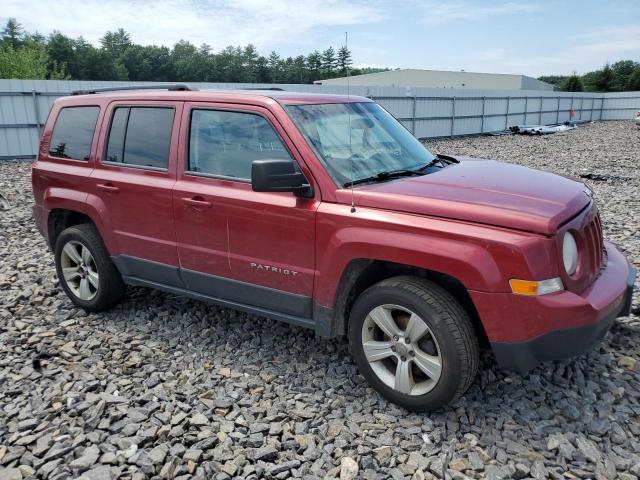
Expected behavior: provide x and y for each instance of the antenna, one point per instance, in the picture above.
(353, 201)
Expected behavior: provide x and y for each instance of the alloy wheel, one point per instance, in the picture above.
(401, 349)
(79, 270)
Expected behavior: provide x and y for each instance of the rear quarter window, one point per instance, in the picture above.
(73, 132)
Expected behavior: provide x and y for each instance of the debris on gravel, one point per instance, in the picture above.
(165, 387)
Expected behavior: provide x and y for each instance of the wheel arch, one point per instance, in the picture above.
(362, 273)
(66, 208)
(61, 218)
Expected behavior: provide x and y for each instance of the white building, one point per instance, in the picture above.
(441, 79)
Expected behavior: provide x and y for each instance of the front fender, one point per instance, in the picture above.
(482, 258)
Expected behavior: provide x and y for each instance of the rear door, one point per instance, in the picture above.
(248, 247)
(134, 180)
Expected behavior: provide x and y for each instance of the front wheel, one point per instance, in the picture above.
(414, 343)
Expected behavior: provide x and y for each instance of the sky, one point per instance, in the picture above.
(535, 37)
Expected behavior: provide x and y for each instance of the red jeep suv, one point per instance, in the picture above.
(323, 211)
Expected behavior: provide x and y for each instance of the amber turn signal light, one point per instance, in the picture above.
(534, 288)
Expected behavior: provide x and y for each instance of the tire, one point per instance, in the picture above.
(448, 350)
(105, 290)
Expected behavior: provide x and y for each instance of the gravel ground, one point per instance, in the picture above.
(164, 387)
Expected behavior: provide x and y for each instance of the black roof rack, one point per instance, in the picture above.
(278, 89)
(174, 87)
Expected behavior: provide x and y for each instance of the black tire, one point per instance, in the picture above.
(111, 288)
(449, 324)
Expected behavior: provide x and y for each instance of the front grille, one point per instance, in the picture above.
(594, 244)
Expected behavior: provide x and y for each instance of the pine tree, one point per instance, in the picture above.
(299, 69)
(13, 33)
(329, 62)
(634, 80)
(250, 63)
(572, 84)
(115, 43)
(275, 67)
(344, 60)
(604, 79)
(314, 66)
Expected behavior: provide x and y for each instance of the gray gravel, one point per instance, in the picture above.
(164, 387)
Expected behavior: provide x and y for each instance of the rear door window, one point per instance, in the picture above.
(140, 136)
(73, 133)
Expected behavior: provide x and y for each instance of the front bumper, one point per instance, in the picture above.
(556, 326)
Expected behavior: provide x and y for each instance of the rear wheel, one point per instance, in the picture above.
(413, 342)
(85, 270)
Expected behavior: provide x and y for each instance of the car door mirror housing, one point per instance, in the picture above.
(279, 176)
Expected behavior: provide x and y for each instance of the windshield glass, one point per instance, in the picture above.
(375, 143)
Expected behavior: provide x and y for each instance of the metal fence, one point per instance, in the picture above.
(426, 112)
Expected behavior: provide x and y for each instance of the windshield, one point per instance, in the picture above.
(375, 143)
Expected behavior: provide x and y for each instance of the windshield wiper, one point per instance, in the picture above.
(383, 176)
(443, 160)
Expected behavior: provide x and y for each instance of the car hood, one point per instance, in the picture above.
(483, 191)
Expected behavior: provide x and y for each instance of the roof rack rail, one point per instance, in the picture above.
(174, 87)
(278, 89)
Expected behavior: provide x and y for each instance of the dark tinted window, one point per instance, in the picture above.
(140, 136)
(115, 147)
(73, 132)
(226, 143)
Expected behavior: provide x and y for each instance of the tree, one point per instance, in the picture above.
(27, 62)
(262, 68)
(314, 66)
(60, 53)
(603, 80)
(344, 60)
(250, 64)
(118, 58)
(13, 34)
(572, 84)
(299, 70)
(288, 73)
(185, 60)
(116, 43)
(119, 71)
(275, 67)
(329, 62)
(634, 80)
(622, 71)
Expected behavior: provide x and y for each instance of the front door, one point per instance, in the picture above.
(251, 248)
(134, 179)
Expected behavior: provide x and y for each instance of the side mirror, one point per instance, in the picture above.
(278, 176)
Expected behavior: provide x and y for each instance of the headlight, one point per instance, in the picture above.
(569, 253)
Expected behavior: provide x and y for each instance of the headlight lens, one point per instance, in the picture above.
(570, 253)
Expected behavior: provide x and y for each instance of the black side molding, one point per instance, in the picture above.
(149, 270)
(247, 293)
(268, 302)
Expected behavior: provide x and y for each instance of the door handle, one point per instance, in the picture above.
(197, 202)
(108, 187)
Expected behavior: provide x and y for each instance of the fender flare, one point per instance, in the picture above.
(473, 265)
(57, 198)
